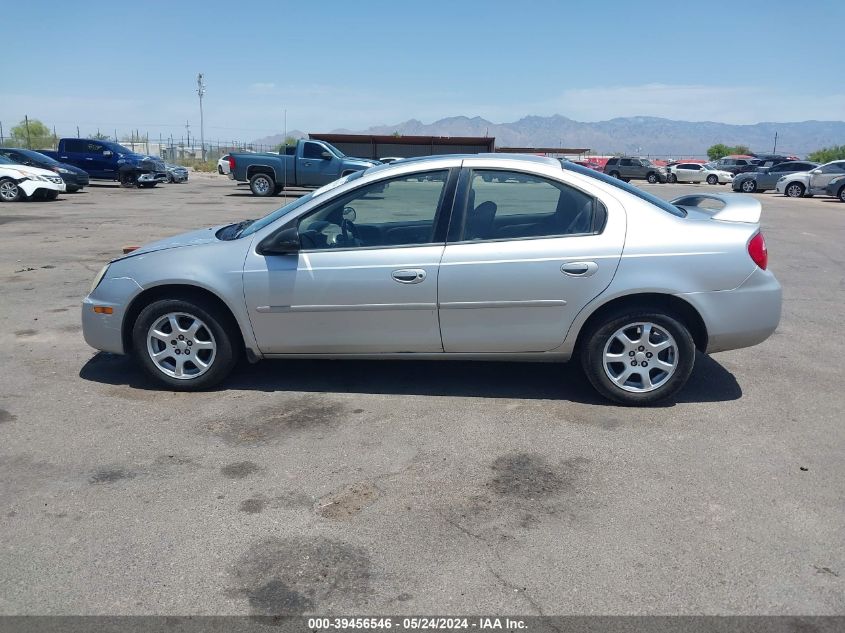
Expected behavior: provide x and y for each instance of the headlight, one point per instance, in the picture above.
(782, 178)
(99, 278)
(62, 170)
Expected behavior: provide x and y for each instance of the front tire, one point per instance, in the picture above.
(841, 194)
(615, 174)
(9, 191)
(185, 345)
(652, 178)
(749, 186)
(128, 179)
(712, 180)
(638, 357)
(51, 195)
(673, 178)
(794, 190)
(262, 185)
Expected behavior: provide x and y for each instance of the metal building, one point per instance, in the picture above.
(382, 146)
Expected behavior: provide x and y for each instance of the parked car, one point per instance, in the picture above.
(766, 176)
(737, 165)
(176, 173)
(223, 165)
(22, 182)
(306, 164)
(107, 160)
(810, 183)
(836, 188)
(555, 262)
(73, 177)
(591, 164)
(695, 172)
(630, 168)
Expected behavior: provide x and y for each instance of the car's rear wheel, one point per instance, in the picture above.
(219, 170)
(614, 174)
(749, 186)
(795, 190)
(712, 179)
(673, 178)
(262, 185)
(9, 190)
(186, 345)
(652, 178)
(639, 357)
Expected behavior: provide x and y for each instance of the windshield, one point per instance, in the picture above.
(6, 161)
(332, 148)
(634, 191)
(41, 158)
(117, 147)
(257, 225)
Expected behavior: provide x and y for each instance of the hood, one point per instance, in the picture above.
(26, 170)
(146, 162)
(192, 238)
(369, 162)
(73, 169)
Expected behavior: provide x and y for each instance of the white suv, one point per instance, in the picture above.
(810, 183)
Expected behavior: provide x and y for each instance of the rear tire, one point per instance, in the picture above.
(672, 178)
(794, 190)
(213, 343)
(615, 174)
(666, 356)
(262, 185)
(219, 170)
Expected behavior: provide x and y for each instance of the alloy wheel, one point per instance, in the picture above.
(749, 186)
(640, 357)
(9, 191)
(795, 191)
(181, 345)
(262, 185)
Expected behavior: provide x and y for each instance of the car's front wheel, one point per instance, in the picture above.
(841, 194)
(652, 178)
(9, 190)
(187, 345)
(638, 358)
(712, 180)
(749, 186)
(795, 190)
(672, 178)
(615, 174)
(262, 185)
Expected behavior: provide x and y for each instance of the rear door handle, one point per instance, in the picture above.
(408, 275)
(579, 269)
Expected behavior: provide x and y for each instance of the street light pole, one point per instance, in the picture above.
(201, 92)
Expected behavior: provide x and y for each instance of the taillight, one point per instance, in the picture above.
(757, 251)
(231, 163)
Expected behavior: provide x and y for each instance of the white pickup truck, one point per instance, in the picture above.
(810, 183)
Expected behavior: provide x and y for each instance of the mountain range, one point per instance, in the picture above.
(641, 135)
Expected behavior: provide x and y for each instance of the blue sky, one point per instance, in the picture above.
(351, 65)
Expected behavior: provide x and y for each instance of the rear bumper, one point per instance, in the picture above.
(741, 317)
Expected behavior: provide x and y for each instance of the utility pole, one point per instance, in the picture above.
(775, 148)
(26, 123)
(1, 132)
(201, 92)
(188, 130)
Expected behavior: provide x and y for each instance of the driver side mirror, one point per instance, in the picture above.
(817, 171)
(326, 154)
(107, 152)
(284, 242)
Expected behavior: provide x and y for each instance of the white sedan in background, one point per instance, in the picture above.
(223, 165)
(20, 182)
(695, 172)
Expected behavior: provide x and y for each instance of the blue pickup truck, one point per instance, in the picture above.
(106, 160)
(306, 164)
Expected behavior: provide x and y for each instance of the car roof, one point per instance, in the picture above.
(436, 158)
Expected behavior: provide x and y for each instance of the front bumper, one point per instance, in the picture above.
(105, 331)
(157, 176)
(76, 181)
(742, 317)
(30, 187)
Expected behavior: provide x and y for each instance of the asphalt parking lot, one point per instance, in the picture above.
(409, 487)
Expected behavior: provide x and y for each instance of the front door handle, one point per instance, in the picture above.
(579, 269)
(408, 275)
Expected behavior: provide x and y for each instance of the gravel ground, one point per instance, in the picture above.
(409, 487)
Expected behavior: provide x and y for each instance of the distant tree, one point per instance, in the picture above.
(827, 154)
(717, 151)
(35, 134)
(396, 134)
(740, 149)
(289, 141)
(99, 136)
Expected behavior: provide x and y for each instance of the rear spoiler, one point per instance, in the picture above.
(736, 207)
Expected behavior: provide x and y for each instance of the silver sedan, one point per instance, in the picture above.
(452, 257)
